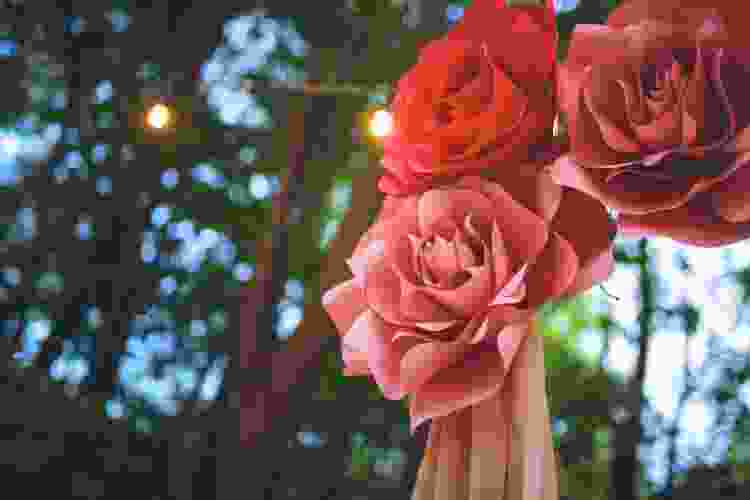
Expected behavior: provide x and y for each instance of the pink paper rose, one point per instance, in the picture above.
(659, 121)
(445, 281)
(478, 96)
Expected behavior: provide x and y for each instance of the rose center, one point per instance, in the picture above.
(443, 263)
(656, 75)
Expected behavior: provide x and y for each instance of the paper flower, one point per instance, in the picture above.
(480, 96)
(446, 281)
(659, 120)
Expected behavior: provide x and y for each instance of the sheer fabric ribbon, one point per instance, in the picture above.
(500, 448)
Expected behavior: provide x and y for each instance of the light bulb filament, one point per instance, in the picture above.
(381, 123)
(158, 116)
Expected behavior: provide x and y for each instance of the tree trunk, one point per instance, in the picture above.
(628, 429)
(428, 16)
(304, 347)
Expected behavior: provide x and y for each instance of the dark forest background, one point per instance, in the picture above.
(161, 334)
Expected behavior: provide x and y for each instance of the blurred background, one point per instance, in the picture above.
(179, 181)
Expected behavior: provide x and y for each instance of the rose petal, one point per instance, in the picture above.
(491, 324)
(441, 211)
(524, 233)
(511, 146)
(591, 238)
(731, 198)
(423, 361)
(587, 139)
(707, 100)
(552, 273)
(464, 251)
(417, 265)
(592, 44)
(596, 54)
(689, 129)
(355, 362)
(402, 171)
(508, 106)
(596, 270)
(694, 223)
(383, 289)
(695, 98)
(458, 386)
(741, 142)
(514, 290)
(413, 334)
(391, 185)
(400, 253)
(473, 237)
(441, 260)
(735, 72)
(472, 95)
(497, 318)
(344, 303)
(488, 21)
(535, 190)
(626, 192)
(357, 338)
(372, 336)
(436, 326)
(487, 327)
(418, 304)
(388, 239)
(605, 100)
(500, 259)
(689, 14)
(469, 298)
(396, 219)
(570, 80)
(664, 130)
(359, 262)
(393, 206)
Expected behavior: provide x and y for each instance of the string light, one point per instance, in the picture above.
(158, 116)
(381, 123)
(251, 86)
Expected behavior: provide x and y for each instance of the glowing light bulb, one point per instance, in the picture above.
(158, 116)
(381, 123)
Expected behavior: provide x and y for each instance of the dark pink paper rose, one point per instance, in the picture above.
(444, 284)
(659, 120)
(476, 97)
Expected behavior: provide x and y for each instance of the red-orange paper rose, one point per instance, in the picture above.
(659, 119)
(478, 97)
